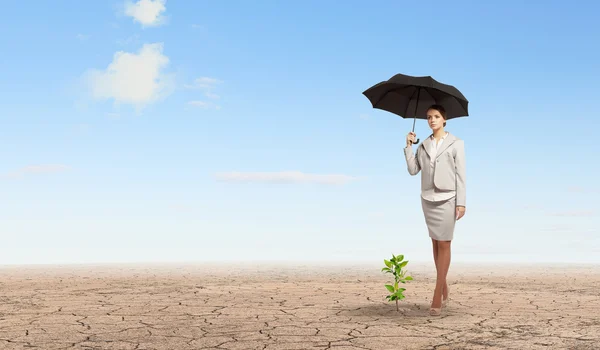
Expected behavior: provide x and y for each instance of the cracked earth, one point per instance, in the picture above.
(250, 306)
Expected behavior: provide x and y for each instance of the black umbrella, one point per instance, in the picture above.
(410, 97)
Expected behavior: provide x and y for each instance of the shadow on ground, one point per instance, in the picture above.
(389, 310)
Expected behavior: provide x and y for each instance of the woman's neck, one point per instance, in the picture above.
(439, 133)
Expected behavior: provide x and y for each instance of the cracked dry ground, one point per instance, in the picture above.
(295, 307)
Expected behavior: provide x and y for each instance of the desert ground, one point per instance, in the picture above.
(296, 306)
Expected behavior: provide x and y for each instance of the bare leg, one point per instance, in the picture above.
(443, 265)
(435, 258)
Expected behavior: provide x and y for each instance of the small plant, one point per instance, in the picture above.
(394, 266)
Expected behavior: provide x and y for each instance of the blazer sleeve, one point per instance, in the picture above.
(461, 188)
(412, 162)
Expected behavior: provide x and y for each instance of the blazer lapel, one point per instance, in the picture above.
(426, 144)
(447, 143)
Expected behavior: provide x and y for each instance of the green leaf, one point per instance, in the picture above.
(387, 263)
(403, 264)
(390, 288)
(408, 278)
(387, 269)
(396, 285)
(400, 258)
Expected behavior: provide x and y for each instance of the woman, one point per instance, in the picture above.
(441, 160)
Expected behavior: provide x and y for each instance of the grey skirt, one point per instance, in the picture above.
(440, 218)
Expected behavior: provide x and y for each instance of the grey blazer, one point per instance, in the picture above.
(449, 171)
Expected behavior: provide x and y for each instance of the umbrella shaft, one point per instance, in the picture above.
(416, 108)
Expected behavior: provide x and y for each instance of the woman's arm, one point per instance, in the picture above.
(412, 162)
(461, 187)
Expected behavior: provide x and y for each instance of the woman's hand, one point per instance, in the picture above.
(410, 138)
(460, 212)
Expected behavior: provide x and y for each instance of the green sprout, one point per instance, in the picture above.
(394, 266)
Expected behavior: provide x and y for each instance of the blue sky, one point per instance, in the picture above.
(191, 131)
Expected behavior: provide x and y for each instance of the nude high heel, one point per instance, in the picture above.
(436, 311)
(433, 311)
(445, 301)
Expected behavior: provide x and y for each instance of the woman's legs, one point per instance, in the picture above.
(435, 258)
(442, 264)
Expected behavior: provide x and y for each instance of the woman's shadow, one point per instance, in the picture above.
(405, 310)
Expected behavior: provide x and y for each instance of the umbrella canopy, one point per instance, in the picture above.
(410, 97)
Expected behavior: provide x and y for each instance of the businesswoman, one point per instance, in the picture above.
(441, 160)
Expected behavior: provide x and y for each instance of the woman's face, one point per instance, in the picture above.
(435, 119)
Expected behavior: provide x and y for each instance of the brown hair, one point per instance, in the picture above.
(440, 109)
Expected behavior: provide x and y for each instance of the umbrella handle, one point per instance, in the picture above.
(415, 118)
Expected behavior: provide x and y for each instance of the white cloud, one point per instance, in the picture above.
(285, 177)
(198, 104)
(204, 104)
(37, 169)
(199, 30)
(146, 12)
(204, 83)
(137, 79)
(207, 84)
(131, 40)
(580, 213)
(82, 37)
